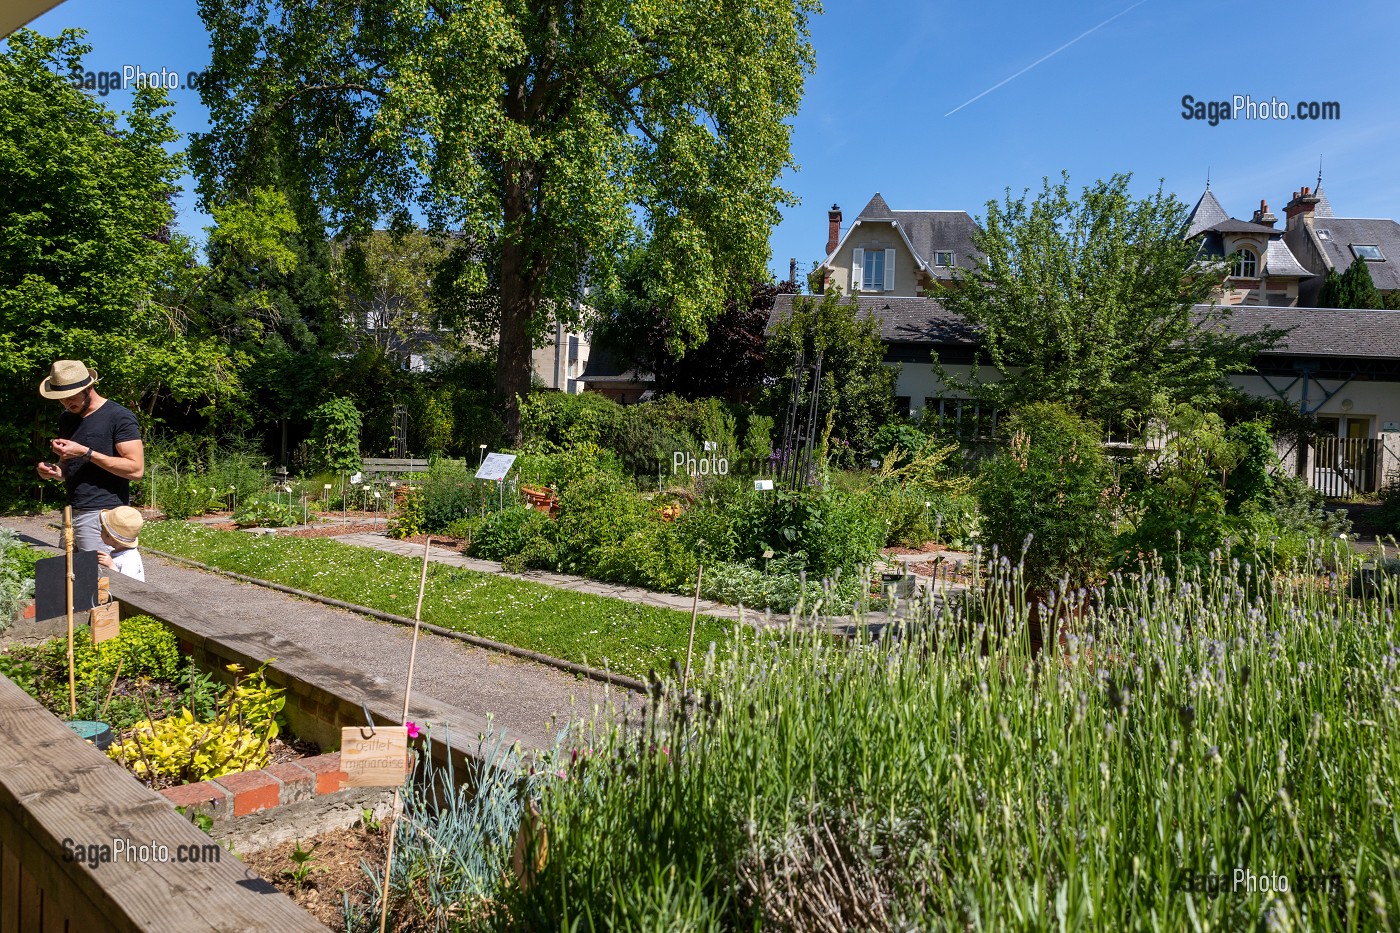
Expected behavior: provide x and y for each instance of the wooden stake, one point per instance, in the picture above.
(115, 677)
(407, 693)
(694, 611)
(68, 552)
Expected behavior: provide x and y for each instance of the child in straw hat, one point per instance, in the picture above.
(121, 528)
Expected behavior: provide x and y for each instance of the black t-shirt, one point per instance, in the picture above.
(90, 486)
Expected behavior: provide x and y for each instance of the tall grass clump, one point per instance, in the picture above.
(1200, 735)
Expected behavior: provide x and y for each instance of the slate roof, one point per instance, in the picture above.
(1323, 208)
(1343, 232)
(877, 209)
(932, 231)
(1279, 260)
(1322, 332)
(603, 369)
(1231, 225)
(1206, 214)
(902, 320)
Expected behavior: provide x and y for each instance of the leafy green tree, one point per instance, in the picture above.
(857, 390)
(89, 266)
(1093, 302)
(1047, 499)
(545, 133)
(1353, 288)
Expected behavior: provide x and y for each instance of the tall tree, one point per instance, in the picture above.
(1095, 302)
(550, 129)
(1353, 288)
(89, 268)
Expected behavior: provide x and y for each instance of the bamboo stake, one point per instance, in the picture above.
(110, 690)
(694, 611)
(407, 694)
(68, 552)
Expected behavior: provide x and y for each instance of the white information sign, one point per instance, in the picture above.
(763, 485)
(495, 466)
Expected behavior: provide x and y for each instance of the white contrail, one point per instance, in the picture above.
(1044, 58)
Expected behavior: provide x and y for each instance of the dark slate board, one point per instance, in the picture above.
(50, 593)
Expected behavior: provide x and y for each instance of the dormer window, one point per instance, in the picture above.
(1367, 251)
(943, 257)
(1246, 265)
(872, 270)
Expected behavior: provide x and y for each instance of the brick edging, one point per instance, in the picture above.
(235, 795)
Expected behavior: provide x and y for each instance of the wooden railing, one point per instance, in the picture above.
(60, 796)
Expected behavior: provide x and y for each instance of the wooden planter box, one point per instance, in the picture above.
(541, 499)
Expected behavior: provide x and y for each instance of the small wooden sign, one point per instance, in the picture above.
(106, 622)
(375, 757)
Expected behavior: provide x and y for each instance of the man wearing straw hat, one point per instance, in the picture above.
(99, 450)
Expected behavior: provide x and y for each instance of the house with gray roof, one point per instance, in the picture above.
(1262, 270)
(1341, 366)
(1324, 242)
(896, 253)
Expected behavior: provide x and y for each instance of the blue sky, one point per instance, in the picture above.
(873, 118)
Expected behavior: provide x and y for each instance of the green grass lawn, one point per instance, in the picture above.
(594, 630)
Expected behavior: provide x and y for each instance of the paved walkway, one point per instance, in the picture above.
(530, 700)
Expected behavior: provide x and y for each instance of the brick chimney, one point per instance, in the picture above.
(1303, 203)
(1263, 217)
(833, 228)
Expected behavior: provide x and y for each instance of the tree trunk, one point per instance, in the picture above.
(519, 303)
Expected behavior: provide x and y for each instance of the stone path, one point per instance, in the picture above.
(530, 700)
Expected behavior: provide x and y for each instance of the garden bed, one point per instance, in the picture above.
(325, 873)
(138, 679)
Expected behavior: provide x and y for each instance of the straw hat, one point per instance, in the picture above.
(123, 523)
(67, 377)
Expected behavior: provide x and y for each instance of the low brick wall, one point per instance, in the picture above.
(236, 795)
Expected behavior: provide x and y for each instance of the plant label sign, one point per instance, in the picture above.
(763, 485)
(495, 466)
(375, 757)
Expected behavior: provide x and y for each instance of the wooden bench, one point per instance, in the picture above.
(390, 466)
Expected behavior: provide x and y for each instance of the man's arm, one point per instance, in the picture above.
(129, 462)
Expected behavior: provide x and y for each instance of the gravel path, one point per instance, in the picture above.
(533, 700)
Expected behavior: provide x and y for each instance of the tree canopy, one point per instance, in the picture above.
(89, 266)
(545, 134)
(1096, 302)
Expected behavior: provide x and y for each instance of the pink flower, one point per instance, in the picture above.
(413, 730)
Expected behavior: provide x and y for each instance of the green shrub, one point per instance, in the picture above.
(508, 532)
(556, 420)
(267, 513)
(335, 435)
(409, 518)
(1183, 499)
(830, 528)
(449, 492)
(1046, 500)
(1252, 480)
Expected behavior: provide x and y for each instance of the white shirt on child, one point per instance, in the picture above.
(128, 563)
